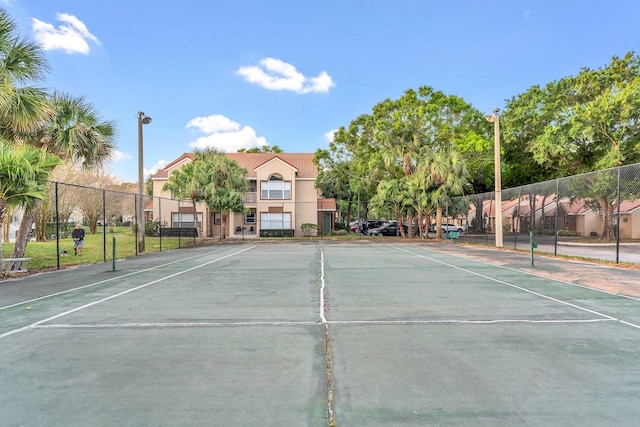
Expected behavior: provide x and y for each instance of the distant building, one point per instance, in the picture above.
(281, 195)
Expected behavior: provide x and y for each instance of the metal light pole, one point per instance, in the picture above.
(143, 119)
(495, 119)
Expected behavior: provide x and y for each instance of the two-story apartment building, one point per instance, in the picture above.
(281, 195)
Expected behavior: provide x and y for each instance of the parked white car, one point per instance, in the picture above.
(446, 227)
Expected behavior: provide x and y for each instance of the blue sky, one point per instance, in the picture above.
(243, 73)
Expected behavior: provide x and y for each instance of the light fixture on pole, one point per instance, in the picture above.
(143, 119)
(495, 119)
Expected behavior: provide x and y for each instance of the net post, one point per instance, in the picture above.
(113, 258)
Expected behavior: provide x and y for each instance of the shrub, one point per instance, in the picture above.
(309, 229)
(277, 233)
(341, 226)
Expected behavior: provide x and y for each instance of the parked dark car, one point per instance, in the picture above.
(365, 225)
(387, 229)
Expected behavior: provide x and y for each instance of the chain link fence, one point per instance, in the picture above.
(111, 215)
(594, 215)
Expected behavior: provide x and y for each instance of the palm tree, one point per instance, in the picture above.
(445, 172)
(226, 184)
(22, 107)
(187, 183)
(390, 199)
(76, 133)
(23, 173)
(66, 126)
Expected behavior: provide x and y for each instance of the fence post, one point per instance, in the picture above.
(517, 229)
(104, 225)
(160, 222)
(136, 225)
(555, 227)
(57, 229)
(618, 220)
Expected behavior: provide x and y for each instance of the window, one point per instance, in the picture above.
(271, 220)
(275, 188)
(250, 217)
(184, 220)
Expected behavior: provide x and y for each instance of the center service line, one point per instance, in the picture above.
(322, 288)
(57, 316)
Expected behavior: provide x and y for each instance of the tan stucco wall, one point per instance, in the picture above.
(302, 205)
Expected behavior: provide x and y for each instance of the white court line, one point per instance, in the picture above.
(464, 322)
(502, 282)
(169, 325)
(105, 281)
(57, 316)
(173, 325)
(548, 278)
(322, 288)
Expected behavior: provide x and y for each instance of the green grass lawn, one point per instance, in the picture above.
(43, 254)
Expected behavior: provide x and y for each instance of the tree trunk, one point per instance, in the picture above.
(40, 220)
(196, 222)
(3, 214)
(223, 225)
(400, 227)
(607, 229)
(24, 231)
(478, 226)
(438, 222)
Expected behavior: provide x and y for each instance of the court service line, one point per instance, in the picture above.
(167, 325)
(322, 288)
(57, 316)
(509, 284)
(465, 321)
(106, 280)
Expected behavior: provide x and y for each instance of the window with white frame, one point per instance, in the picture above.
(275, 220)
(184, 220)
(275, 188)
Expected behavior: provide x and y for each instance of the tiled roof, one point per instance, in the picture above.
(326, 204)
(303, 162)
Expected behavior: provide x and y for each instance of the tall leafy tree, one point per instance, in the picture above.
(188, 183)
(23, 174)
(75, 132)
(212, 178)
(226, 186)
(580, 124)
(445, 173)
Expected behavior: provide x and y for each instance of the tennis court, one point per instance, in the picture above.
(359, 333)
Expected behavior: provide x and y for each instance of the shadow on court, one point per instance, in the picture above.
(315, 334)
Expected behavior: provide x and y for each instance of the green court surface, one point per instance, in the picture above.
(359, 333)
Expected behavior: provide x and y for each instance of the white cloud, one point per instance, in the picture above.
(329, 135)
(71, 36)
(274, 74)
(224, 134)
(119, 155)
(155, 168)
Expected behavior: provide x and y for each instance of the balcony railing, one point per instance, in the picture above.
(251, 197)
